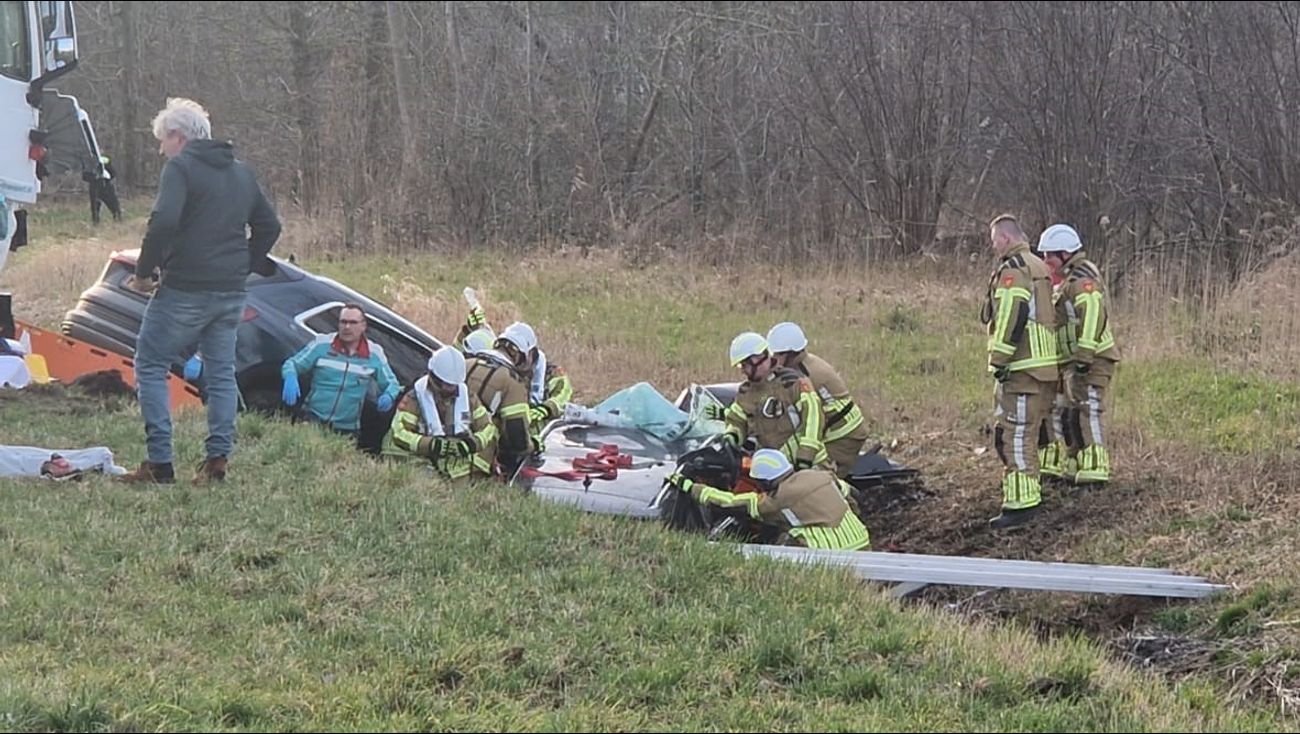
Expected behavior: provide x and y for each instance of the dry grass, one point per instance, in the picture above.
(48, 276)
(1252, 326)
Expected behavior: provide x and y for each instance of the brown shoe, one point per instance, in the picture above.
(211, 470)
(150, 473)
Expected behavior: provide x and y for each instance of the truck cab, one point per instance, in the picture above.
(42, 132)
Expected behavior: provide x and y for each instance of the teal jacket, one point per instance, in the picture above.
(340, 382)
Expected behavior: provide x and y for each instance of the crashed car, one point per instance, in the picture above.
(284, 311)
(606, 461)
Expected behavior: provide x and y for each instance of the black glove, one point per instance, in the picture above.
(801, 464)
(1001, 373)
(452, 448)
(1081, 367)
(471, 442)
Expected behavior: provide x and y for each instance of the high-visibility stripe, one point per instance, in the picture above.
(1094, 464)
(1021, 365)
(406, 431)
(1091, 305)
(344, 366)
(844, 487)
(813, 424)
(713, 496)
(1020, 491)
(850, 423)
(1006, 298)
(1094, 414)
(837, 411)
(1021, 421)
(850, 534)
(559, 391)
(512, 411)
(1042, 349)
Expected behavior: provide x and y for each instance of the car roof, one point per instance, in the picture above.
(341, 293)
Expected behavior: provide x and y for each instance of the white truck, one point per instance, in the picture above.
(42, 132)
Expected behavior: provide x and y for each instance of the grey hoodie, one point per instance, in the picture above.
(196, 232)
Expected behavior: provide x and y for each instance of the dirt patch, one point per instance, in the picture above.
(1250, 669)
(1229, 518)
(90, 395)
(1168, 506)
(1173, 654)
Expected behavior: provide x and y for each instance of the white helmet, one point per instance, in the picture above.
(479, 340)
(787, 337)
(448, 364)
(1059, 238)
(768, 464)
(521, 335)
(747, 345)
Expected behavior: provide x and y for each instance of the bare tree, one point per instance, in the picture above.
(840, 129)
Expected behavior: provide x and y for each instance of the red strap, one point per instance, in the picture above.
(602, 464)
(529, 472)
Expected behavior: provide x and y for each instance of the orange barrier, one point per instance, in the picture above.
(67, 359)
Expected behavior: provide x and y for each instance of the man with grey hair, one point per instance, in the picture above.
(196, 256)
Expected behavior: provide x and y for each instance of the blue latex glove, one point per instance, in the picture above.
(384, 403)
(291, 390)
(193, 368)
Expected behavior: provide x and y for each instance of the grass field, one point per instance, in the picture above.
(318, 591)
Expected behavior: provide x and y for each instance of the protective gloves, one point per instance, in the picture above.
(291, 391)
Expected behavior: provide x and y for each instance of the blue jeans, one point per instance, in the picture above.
(174, 321)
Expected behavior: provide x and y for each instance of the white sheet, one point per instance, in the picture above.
(25, 461)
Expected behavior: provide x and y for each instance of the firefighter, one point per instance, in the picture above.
(549, 387)
(441, 420)
(1089, 355)
(845, 430)
(1022, 356)
(493, 378)
(807, 505)
(775, 407)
